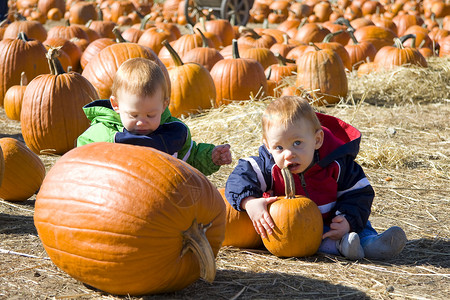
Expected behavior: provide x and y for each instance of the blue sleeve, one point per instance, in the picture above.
(168, 138)
(355, 194)
(251, 177)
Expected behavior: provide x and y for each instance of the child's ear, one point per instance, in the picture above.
(114, 103)
(166, 102)
(319, 138)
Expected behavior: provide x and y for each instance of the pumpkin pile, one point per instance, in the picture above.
(129, 219)
(96, 39)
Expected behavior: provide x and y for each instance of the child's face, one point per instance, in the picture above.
(139, 115)
(293, 145)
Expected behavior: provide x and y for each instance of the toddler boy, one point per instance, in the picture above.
(137, 113)
(319, 151)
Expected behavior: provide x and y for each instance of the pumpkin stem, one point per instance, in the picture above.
(285, 39)
(203, 23)
(235, 49)
(89, 23)
(233, 20)
(344, 21)
(23, 79)
(289, 184)
(190, 28)
(315, 46)
(269, 72)
(353, 37)
(421, 44)
(22, 36)
(194, 239)
(118, 34)
(176, 58)
(67, 23)
(2, 23)
(144, 21)
(54, 64)
(100, 13)
(329, 36)
(282, 61)
(204, 40)
(404, 38)
(302, 23)
(265, 24)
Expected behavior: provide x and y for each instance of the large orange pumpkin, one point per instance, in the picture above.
(322, 74)
(298, 224)
(52, 117)
(17, 56)
(239, 230)
(24, 171)
(101, 69)
(121, 218)
(237, 78)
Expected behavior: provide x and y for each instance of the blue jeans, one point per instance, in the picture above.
(329, 246)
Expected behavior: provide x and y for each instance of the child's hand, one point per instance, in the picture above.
(338, 228)
(221, 155)
(257, 211)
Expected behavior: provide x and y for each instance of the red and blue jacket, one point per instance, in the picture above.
(334, 181)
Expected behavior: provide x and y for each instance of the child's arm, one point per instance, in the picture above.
(355, 195)
(257, 211)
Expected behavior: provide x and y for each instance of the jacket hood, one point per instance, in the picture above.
(340, 140)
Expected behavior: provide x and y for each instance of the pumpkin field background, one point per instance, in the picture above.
(404, 117)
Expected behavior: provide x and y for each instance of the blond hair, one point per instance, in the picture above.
(287, 110)
(139, 76)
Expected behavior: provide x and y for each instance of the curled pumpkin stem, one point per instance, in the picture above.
(289, 184)
(194, 239)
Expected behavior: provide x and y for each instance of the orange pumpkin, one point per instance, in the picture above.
(20, 55)
(192, 87)
(101, 68)
(239, 230)
(203, 55)
(32, 29)
(298, 224)
(94, 48)
(398, 55)
(52, 117)
(13, 98)
(322, 74)
(24, 171)
(129, 219)
(236, 79)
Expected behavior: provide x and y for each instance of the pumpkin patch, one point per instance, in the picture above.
(115, 221)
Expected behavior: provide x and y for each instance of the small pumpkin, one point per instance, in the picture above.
(298, 223)
(203, 55)
(239, 230)
(192, 87)
(128, 219)
(14, 97)
(398, 55)
(24, 171)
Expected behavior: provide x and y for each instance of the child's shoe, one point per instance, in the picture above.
(350, 247)
(385, 245)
